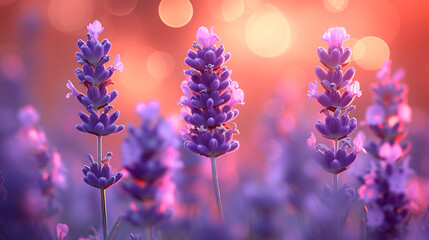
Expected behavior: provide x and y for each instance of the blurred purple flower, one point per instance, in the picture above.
(384, 186)
(149, 156)
(28, 116)
(100, 176)
(34, 175)
(209, 99)
(374, 216)
(266, 203)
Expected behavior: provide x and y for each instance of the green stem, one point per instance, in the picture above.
(216, 188)
(102, 192)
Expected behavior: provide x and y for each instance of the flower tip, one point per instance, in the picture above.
(335, 37)
(206, 38)
(95, 29)
(117, 64)
(311, 141)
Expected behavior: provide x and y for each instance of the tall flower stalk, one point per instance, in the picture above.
(339, 92)
(95, 77)
(209, 99)
(383, 191)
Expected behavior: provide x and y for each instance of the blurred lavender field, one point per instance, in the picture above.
(275, 165)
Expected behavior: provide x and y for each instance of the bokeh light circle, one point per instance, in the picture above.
(232, 9)
(370, 52)
(121, 7)
(268, 32)
(70, 15)
(175, 13)
(335, 5)
(160, 64)
(135, 79)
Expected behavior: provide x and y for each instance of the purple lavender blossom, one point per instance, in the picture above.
(339, 161)
(209, 98)
(340, 91)
(337, 126)
(100, 126)
(149, 154)
(384, 190)
(100, 176)
(333, 81)
(95, 77)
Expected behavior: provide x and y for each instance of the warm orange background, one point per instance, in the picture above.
(153, 48)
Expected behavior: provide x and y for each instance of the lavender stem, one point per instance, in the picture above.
(336, 192)
(152, 232)
(216, 188)
(102, 192)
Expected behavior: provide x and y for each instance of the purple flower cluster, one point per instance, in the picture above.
(96, 77)
(390, 111)
(384, 187)
(337, 126)
(44, 159)
(149, 155)
(33, 177)
(209, 98)
(100, 176)
(339, 92)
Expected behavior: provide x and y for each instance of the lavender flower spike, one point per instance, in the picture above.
(339, 92)
(96, 78)
(384, 187)
(149, 155)
(209, 100)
